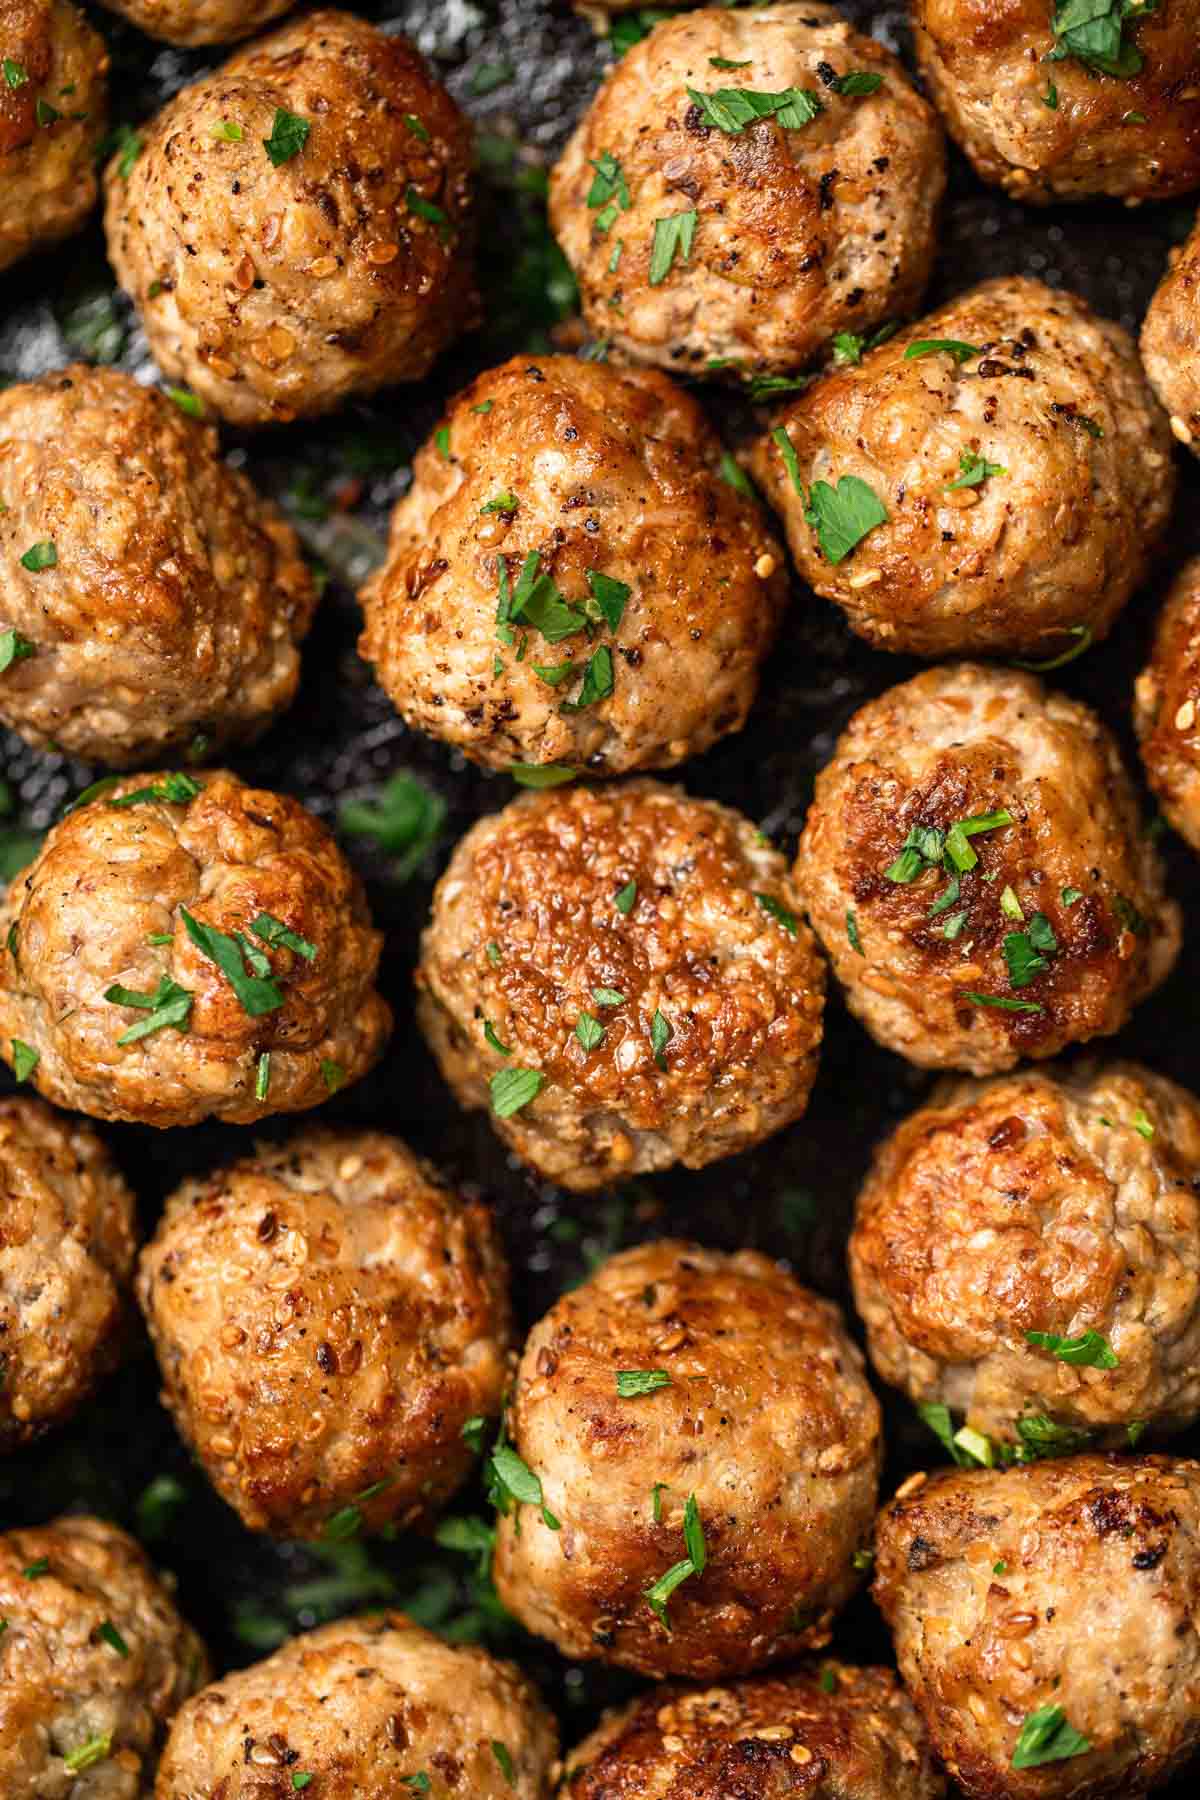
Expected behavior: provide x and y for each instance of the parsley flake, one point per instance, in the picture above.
(1092, 31)
(775, 909)
(96, 1750)
(791, 461)
(504, 1762)
(852, 933)
(856, 84)
(934, 346)
(661, 1033)
(541, 775)
(608, 598)
(14, 73)
(501, 503)
(289, 134)
(175, 789)
(732, 472)
(262, 1076)
(673, 237)
(1088, 1351)
(598, 681)
(13, 648)
(589, 1031)
(626, 898)
(842, 516)
(633, 1383)
(1002, 1002)
(274, 932)
(169, 1005)
(974, 470)
(606, 996)
(1083, 642)
(513, 1089)
(516, 1484)
(489, 1034)
(25, 1059)
(731, 109)
(258, 994)
(40, 556)
(1047, 1736)
(113, 1638)
(332, 1074)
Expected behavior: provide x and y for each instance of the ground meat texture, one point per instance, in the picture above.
(51, 123)
(610, 474)
(793, 232)
(67, 1247)
(1062, 1202)
(102, 906)
(200, 21)
(1171, 342)
(94, 1660)
(1062, 130)
(664, 924)
(833, 1733)
(1166, 699)
(363, 1706)
(278, 288)
(1068, 1584)
(177, 597)
(1011, 941)
(1025, 484)
(347, 1403)
(767, 1425)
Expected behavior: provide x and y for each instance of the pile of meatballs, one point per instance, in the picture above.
(583, 582)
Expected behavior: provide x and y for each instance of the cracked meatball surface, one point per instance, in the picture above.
(1171, 342)
(278, 281)
(1068, 1584)
(672, 581)
(766, 1424)
(1041, 922)
(1047, 130)
(790, 231)
(1166, 704)
(1060, 1202)
(362, 1706)
(47, 154)
(630, 962)
(288, 1015)
(394, 1331)
(67, 1245)
(837, 1733)
(177, 597)
(191, 22)
(1026, 476)
(80, 1718)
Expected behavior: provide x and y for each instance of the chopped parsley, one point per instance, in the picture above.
(262, 1076)
(606, 996)
(13, 648)
(541, 775)
(129, 143)
(1028, 952)
(419, 1783)
(732, 109)
(473, 1432)
(852, 933)
(973, 471)
(504, 1762)
(258, 994)
(537, 602)
(1083, 642)
(1088, 1351)
(791, 461)
(775, 909)
(301, 1779)
(113, 1638)
(661, 1033)
(501, 503)
(609, 192)
(856, 84)
(427, 210)
(589, 1031)
(289, 134)
(332, 1074)
(417, 128)
(1002, 1002)
(404, 818)
(228, 130)
(441, 438)
(633, 1383)
(656, 1494)
(25, 1059)
(927, 846)
(514, 1483)
(723, 63)
(1092, 32)
(1047, 1736)
(1141, 1124)
(659, 1592)
(608, 598)
(175, 789)
(96, 1750)
(489, 1034)
(169, 1005)
(597, 681)
(673, 237)
(626, 898)
(513, 1089)
(842, 516)
(44, 113)
(187, 402)
(935, 346)
(14, 73)
(36, 1570)
(274, 932)
(40, 556)
(1070, 896)
(1050, 97)
(1128, 915)
(731, 472)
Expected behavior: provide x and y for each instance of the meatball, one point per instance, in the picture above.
(741, 220)
(67, 1247)
(53, 116)
(1165, 707)
(976, 869)
(1060, 1207)
(1052, 113)
(710, 1518)
(295, 228)
(199, 21)
(94, 1659)
(185, 947)
(1045, 1621)
(576, 499)
(842, 1731)
(348, 1404)
(363, 1707)
(155, 595)
(1018, 481)
(1171, 342)
(623, 974)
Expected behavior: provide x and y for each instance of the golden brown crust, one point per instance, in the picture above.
(1071, 1584)
(68, 1238)
(274, 291)
(610, 471)
(1136, 137)
(394, 1331)
(800, 233)
(192, 22)
(1048, 546)
(109, 879)
(960, 742)
(1171, 342)
(1062, 1202)
(63, 1685)
(781, 1454)
(178, 596)
(837, 1733)
(51, 123)
(1166, 709)
(362, 1706)
(739, 992)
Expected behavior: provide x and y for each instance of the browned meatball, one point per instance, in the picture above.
(1166, 699)
(1060, 1206)
(1053, 113)
(1049, 1613)
(1171, 342)
(976, 869)
(707, 237)
(68, 1238)
(295, 228)
(572, 581)
(750, 1437)
(623, 974)
(838, 1734)
(200, 21)
(185, 947)
(1018, 482)
(53, 116)
(94, 1659)
(347, 1402)
(155, 594)
(364, 1707)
